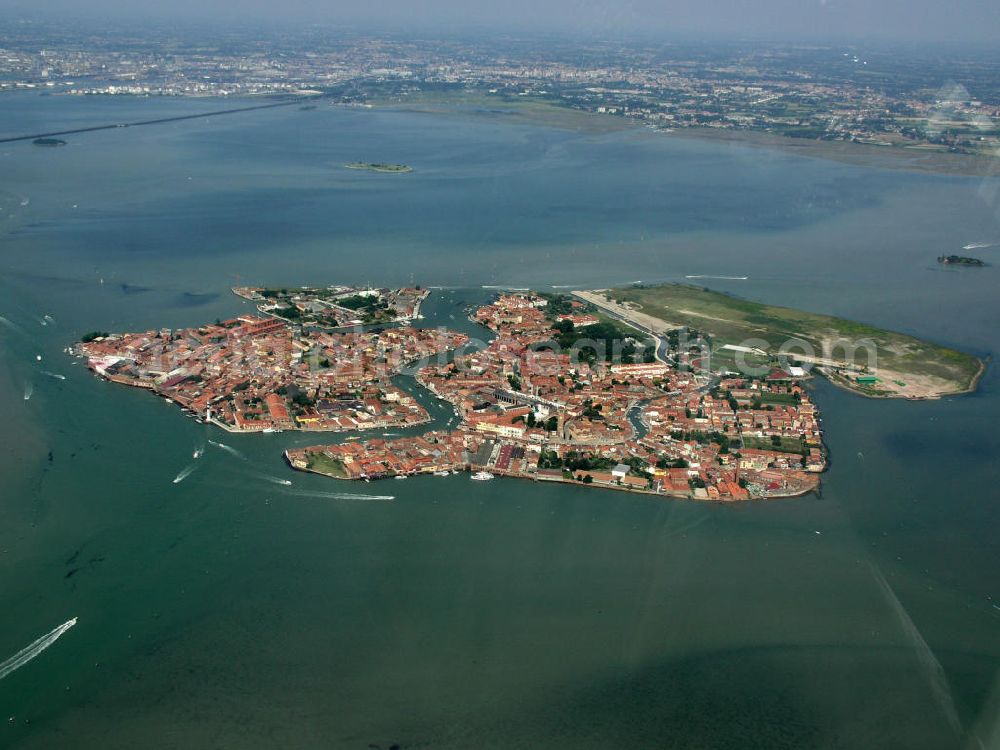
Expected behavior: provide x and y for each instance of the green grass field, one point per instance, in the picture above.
(917, 365)
(322, 463)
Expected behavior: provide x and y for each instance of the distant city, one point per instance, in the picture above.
(934, 99)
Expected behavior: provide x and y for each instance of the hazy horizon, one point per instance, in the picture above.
(970, 21)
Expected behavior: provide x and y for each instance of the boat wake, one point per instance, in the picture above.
(979, 245)
(29, 388)
(274, 480)
(29, 652)
(723, 278)
(7, 323)
(55, 375)
(684, 528)
(339, 495)
(934, 672)
(185, 473)
(229, 449)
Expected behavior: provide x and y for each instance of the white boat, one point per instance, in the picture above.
(442, 473)
(400, 476)
(197, 453)
(482, 476)
(267, 430)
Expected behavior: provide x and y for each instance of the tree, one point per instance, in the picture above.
(549, 460)
(552, 424)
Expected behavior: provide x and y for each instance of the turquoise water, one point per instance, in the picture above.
(231, 611)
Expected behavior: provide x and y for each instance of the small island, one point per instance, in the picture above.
(337, 306)
(379, 167)
(253, 374)
(49, 142)
(959, 260)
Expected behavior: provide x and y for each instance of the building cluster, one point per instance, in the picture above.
(817, 92)
(528, 410)
(263, 374)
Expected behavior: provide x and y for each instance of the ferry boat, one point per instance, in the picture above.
(482, 476)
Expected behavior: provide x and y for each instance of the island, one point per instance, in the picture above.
(337, 306)
(735, 334)
(564, 393)
(959, 260)
(667, 391)
(379, 167)
(49, 142)
(258, 374)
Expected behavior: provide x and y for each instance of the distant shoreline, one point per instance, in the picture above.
(860, 154)
(918, 159)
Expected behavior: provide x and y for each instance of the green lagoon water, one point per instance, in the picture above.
(231, 611)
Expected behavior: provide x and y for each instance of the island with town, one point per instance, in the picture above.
(593, 388)
(268, 374)
(561, 393)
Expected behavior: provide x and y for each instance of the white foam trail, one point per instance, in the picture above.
(29, 388)
(724, 278)
(338, 495)
(32, 650)
(11, 325)
(932, 667)
(185, 473)
(275, 480)
(978, 245)
(508, 288)
(49, 318)
(229, 449)
(55, 375)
